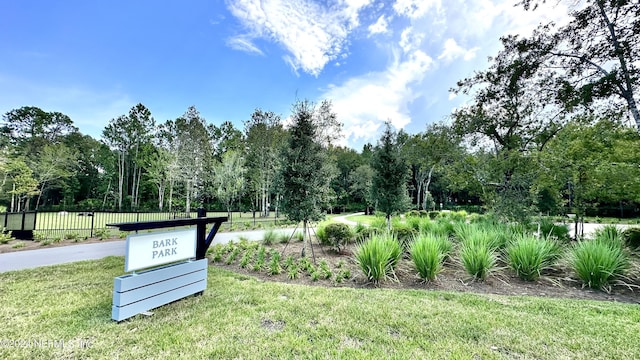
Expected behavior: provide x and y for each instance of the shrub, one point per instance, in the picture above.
(321, 234)
(427, 255)
(548, 229)
(5, 237)
(433, 214)
(378, 257)
(379, 223)
(18, 245)
(338, 235)
(102, 233)
(477, 258)
(293, 272)
(366, 233)
(298, 236)
(269, 237)
(45, 242)
(597, 263)
(631, 237)
(529, 256)
(414, 223)
(404, 234)
(71, 236)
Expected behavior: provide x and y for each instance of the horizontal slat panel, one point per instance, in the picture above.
(130, 282)
(125, 312)
(143, 292)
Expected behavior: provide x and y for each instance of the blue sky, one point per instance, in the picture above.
(375, 60)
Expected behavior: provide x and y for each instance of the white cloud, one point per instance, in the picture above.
(365, 102)
(243, 43)
(379, 27)
(313, 34)
(410, 40)
(415, 9)
(453, 51)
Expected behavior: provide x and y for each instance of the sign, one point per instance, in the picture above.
(147, 250)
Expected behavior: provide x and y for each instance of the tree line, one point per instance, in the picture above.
(551, 127)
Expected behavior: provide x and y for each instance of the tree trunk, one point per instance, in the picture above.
(304, 237)
(188, 202)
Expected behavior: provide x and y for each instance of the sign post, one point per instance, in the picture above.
(184, 250)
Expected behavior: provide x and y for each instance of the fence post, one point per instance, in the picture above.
(93, 217)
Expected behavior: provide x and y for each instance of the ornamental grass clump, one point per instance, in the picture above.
(378, 257)
(427, 253)
(609, 234)
(478, 259)
(528, 256)
(598, 263)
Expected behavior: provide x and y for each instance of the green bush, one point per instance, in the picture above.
(338, 235)
(548, 229)
(433, 214)
(321, 234)
(260, 259)
(378, 257)
(269, 237)
(5, 237)
(477, 258)
(414, 223)
(428, 256)
(529, 256)
(366, 233)
(631, 237)
(598, 263)
(379, 222)
(404, 234)
(18, 245)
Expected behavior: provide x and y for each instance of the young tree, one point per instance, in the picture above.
(303, 174)
(389, 185)
(129, 136)
(55, 162)
(193, 153)
(229, 178)
(264, 137)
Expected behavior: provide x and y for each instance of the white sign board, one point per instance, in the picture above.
(148, 250)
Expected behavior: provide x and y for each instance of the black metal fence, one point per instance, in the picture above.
(82, 224)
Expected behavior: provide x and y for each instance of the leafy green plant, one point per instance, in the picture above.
(379, 222)
(549, 229)
(324, 269)
(609, 234)
(477, 258)
(102, 233)
(341, 275)
(298, 236)
(269, 237)
(427, 255)
(293, 272)
(598, 263)
(247, 258)
(631, 237)
(46, 242)
(232, 255)
(315, 276)
(18, 245)
(71, 236)
(404, 234)
(5, 237)
(529, 256)
(274, 263)
(218, 251)
(414, 222)
(378, 257)
(260, 259)
(288, 262)
(337, 236)
(56, 239)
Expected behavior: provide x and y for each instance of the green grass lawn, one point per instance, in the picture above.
(241, 317)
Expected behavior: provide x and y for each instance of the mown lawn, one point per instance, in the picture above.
(241, 317)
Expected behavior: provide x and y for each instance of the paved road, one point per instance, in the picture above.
(343, 219)
(64, 254)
